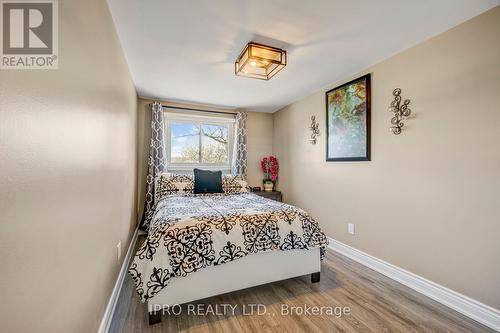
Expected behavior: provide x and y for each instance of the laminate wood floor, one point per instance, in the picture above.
(376, 303)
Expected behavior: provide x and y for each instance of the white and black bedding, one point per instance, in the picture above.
(190, 232)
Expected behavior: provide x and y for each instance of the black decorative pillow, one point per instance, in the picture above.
(206, 181)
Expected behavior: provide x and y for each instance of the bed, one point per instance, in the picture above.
(202, 245)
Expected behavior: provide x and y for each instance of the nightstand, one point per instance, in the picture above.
(273, 195)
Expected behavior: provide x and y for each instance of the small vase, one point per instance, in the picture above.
(268, 186)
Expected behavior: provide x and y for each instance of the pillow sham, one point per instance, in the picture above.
(206, 181)
(169, 183)
(235, 184)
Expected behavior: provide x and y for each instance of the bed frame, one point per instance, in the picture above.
(249, 271)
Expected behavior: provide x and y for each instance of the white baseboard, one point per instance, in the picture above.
(115, 294)
(471, 308)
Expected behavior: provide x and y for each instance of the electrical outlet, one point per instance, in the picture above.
(350, 228)
(119, 250)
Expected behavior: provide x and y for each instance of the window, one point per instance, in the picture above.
(198, 142)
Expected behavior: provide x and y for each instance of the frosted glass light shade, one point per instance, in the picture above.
(260, 61)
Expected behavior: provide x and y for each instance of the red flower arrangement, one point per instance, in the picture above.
(270, 168)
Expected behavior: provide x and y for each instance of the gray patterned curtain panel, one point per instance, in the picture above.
(239, 162)
(157, 161)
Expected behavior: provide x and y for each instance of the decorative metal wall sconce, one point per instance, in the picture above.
(315, 130)
(401, 111)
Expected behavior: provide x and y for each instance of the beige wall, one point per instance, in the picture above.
(429, 199)
(67, 178)
(143, 140)
(259, 142)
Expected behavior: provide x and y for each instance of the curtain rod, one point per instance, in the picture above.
(193, 109)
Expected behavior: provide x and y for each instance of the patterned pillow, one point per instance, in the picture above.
(169, 183)
(234, 184)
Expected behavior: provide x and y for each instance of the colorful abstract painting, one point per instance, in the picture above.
(348, 121)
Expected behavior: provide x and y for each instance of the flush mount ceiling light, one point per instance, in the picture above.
(260, 61)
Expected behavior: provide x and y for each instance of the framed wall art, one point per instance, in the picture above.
(348, 121)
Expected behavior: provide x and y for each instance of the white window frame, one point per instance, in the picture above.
(172, 117)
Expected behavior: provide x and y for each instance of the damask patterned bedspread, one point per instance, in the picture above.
(191, 232)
